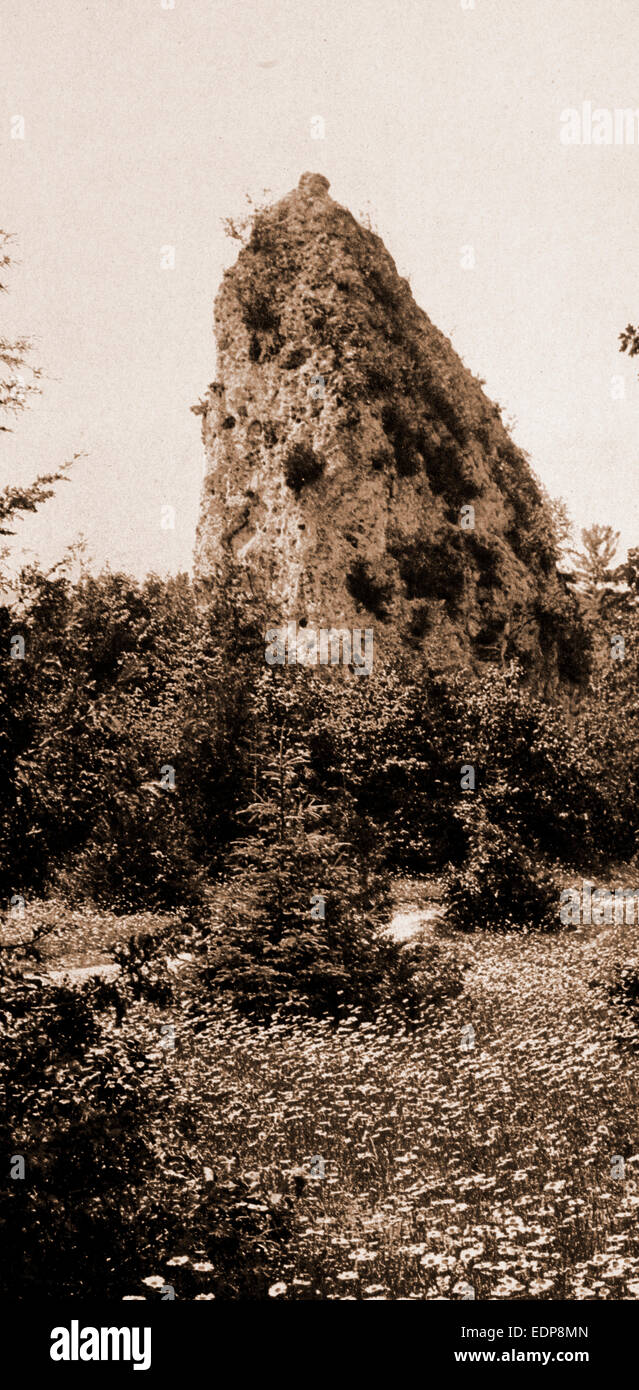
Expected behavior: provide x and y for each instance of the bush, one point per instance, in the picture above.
(370, 593)
(538, 777)
(434, 569)
(140, 857)
(449, 474)
(119, 680)
(255, 294)
(393, 744)
(270, 955)
(408, 461)
(302, 466)
(500, 887)
(113, 1191)
(79, 1102)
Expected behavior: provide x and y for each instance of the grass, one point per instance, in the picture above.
(75, 937)
(444, 1167)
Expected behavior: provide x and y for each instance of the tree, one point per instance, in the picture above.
(18, 381)
(592, 571)
(629, 340)
(240, 228)
(303, 921)
(14, 386)
(563, 527)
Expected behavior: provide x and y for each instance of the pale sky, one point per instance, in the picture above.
(145, 126)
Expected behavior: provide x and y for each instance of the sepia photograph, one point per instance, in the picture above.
(319, 635)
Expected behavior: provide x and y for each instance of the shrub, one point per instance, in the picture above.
(302, 466)
(393, 745)
(114, 1189)
(120, 679)
(563, 631)
(83, 1129)
(449, 474)
(370, 593)
(269, 954)
(500, 887)
(255, 296)
(487, 558)
(547, 782)
(141, 855)
(408, 461)
(434, 569)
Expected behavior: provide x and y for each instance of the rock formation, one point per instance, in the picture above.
(356, 473)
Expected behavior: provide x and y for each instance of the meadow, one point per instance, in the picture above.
(446, 1169)
(490, 1150)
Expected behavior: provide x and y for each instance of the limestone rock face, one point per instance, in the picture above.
(355, 471)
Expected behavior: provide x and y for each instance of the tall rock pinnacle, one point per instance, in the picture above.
(356, 472)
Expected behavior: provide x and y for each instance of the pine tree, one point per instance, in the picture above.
(592, 571)
(304, 917)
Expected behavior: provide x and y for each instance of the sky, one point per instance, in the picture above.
(145, 126)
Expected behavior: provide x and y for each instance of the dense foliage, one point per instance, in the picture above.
(114, 1197)
(140, 732)
(151, 760)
